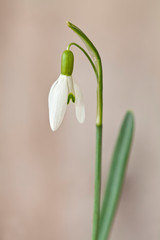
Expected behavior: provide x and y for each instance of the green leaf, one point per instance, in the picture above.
(116, 176)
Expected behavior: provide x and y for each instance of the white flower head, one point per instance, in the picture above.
(62, 91)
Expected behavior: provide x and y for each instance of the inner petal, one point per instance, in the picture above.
(71, 97)
(71, 91)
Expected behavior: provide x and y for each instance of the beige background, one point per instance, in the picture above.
(46, 178)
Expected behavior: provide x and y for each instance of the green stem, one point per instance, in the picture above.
(97, 186)
(97, 66)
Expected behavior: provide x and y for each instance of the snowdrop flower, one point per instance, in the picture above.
(62, 91)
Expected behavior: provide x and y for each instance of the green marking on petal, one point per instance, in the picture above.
(71, 96)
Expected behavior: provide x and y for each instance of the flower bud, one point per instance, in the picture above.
(67, 62)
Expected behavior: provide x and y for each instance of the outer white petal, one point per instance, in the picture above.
(79, 104)
(57, 102)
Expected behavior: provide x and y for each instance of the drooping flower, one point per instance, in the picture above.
(62, 91)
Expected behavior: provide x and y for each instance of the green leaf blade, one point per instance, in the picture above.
(116, 176)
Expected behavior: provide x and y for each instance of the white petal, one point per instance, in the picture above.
(57, 102)
(70, 85)
(79, 104)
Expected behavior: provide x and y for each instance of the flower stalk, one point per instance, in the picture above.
(97, 67)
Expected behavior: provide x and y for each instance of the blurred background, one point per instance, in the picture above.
(47, 178)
